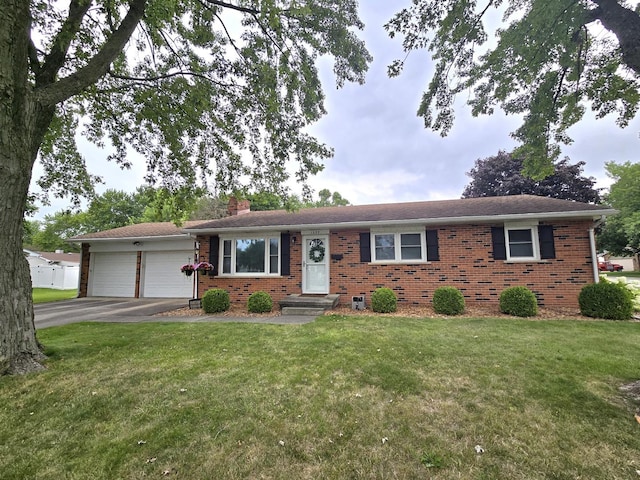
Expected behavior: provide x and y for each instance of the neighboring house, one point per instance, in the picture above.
(141, 260)
(57, 269)
(478, 245)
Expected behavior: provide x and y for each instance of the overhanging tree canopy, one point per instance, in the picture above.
(199, 87)
(550, 62)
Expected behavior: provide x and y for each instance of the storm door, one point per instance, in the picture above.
(315, 264)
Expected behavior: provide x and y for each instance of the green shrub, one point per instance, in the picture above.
(613, 301)
(259, 302)
(215, 300)
(448, 301)
(383, 300)
(518, 301)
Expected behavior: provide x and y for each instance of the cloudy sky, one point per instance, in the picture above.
(382, 151)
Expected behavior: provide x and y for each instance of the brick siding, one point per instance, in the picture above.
(465, 263)
(84, 271)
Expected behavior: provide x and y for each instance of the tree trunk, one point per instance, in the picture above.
(22, 126)
(625, 24)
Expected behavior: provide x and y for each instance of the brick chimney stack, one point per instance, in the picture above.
(238, 207)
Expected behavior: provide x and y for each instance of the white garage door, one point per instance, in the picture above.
(162, 277)
(113, 274)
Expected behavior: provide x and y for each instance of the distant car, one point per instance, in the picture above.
(609, 267)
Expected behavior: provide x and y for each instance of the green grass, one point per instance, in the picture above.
(237, 401)
(45, 295)
(624, 273)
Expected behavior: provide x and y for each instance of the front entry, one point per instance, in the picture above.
(315, 264)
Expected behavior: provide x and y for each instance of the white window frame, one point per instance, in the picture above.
(267, 237)
(535, 242)
(398, 247)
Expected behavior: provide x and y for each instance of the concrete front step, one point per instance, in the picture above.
(308, 304)
(316, 312)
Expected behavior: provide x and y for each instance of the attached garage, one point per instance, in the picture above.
(113, 274)
(162, 277)
(137, 261)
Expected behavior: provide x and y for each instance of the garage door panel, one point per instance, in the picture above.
(162, 277)
(113, 274)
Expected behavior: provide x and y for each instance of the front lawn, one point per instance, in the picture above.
(339, 398)
(624, 273)
(45, 295)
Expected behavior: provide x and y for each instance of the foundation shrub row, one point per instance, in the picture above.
(217, 300)
(605, 300)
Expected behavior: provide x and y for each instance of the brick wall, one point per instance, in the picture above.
(465, 262)
(240, 288)
(85, 257)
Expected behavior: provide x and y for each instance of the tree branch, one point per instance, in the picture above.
(56, 57)
(97, 66)
(254, 12)
(233, 7)
(34, 61)
(625, 24)
(180, 73)
(224, 27)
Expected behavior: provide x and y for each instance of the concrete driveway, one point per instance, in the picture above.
(131, 310)
(102, 309)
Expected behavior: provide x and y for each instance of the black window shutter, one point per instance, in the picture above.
(499, 247)
(285, 254)
(214, 247)
(433, 255)
(547, 244)
(365, 247)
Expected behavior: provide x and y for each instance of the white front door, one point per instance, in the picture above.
(315, 264)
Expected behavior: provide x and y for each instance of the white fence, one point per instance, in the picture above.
(60, 277)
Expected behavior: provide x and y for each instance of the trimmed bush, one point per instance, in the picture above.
(383, 300)
(613, 301)
(518, 301)
(259, 302)
(448, 301)
(215, 300)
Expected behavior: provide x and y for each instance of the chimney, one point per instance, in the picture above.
(238, 207)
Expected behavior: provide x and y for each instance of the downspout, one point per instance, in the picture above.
(594, 254)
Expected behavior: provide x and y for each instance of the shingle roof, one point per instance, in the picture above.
(430, 212)
(141, 230)
(480, 209)
(61, 257)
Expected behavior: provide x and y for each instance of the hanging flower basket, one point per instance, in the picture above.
(187, 269)
(203, 267)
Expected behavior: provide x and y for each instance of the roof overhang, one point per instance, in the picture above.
(486, 219)
(149, 238)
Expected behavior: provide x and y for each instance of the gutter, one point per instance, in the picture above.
(149, 238)
(575, 215)
(594, 254)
